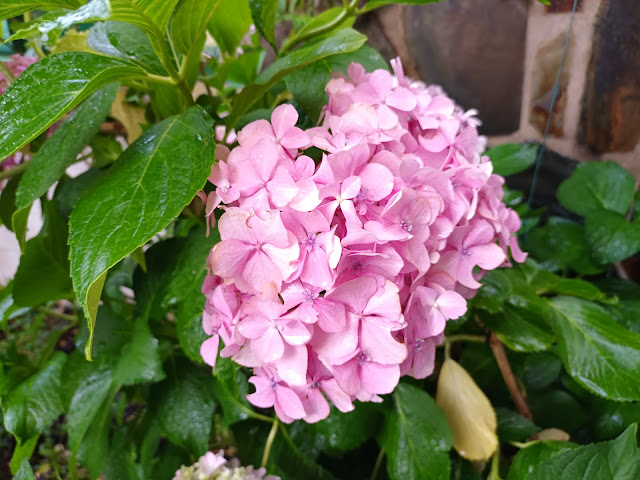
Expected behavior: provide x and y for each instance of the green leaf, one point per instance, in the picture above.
(513, 427)
(617, 459)
(8, 208)
(14, 8)
(372, 4)
(512, 158)
(25, 472)
(519, 329)
(92, 11)
(560, 245)
(139, 361)
(263, 13)
(596, 351)
(43, 273)
(190, 22)
(88, 390)
(540, 370)
(611, 236)
(141, 193)
(534, 454)
(150, 15)
(611, 418)
(93, 450)
(308, 84)
(68, 194)
(556, 409)
(62, 148)
(230, 24)
(231, 388)
(347, 431)
(343, 41)
(545, 281)
(417, 438)
(35, 403)
(184, 405)
(50, 88)
(22, 453)
(184, 289)
(594, 186)
(125, 41)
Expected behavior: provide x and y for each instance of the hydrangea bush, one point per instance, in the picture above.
(249, 235)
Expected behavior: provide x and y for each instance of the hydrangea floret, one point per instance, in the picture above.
(214, 466)
(333, 278)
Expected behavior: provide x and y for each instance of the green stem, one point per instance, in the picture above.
(13, 171)
(465, 338)
(494, 474)
(269, 444)
(8, 75)
(378, 464)
(54, 313)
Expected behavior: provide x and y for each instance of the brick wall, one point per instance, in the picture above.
(502, 57)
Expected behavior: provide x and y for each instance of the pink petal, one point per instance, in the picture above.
(283, 118)
(209, 350)
(292, 366)
(295, 138)
(378, 181)
(355, 293)
(315, 405)
(254, 326)
(264, 396)
(350, 187)
(229, 257)
(338, 397)
(260, 271)
(289, 402)
(294, 331)
(380, 346)
(402, 99)
(451, 304)
(269, 347)
(347, 376)
(376, 378)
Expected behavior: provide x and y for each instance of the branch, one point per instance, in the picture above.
(509, 378)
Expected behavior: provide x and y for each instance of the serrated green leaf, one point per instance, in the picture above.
(35, 404)
(92, 11)
(230, 24)
(263, 13)
(597, 185)
(62, 148)
(141, 193)
(343, 41)
(617, 459)
(18, 7)
(43, 273)
(534, 454)
(417, 437)
(308, 84)
(512, 158)
(190, 22)
(372, 4)
(596, 351)
(126, 41)
(545, 281)
(184, 405)
(611, 236)
(50, 88)
(611, 418)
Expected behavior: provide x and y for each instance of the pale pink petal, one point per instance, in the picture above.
(376, 378)
(289, 402)
(209, 350)
(269, 347)
(292, 366)
(264, 396)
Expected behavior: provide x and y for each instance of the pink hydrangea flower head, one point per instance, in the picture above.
(335, 277)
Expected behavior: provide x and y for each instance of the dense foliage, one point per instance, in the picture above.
(101, 327)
